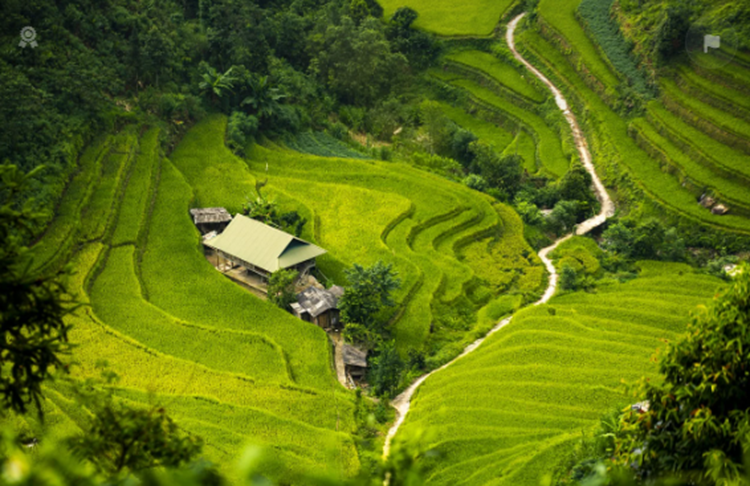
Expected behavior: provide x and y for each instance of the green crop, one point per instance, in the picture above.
(449, 18)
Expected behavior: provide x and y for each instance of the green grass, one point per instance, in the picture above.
(524, 146)
(561, 16)
(503, 73)
(698, 85)
(727, 189)
(61, 233)
(549, 147)
(725, 160)
(138, 190)
(507, 413)
(659, 186)
(448, 18)
(704, 112)
(487, 132)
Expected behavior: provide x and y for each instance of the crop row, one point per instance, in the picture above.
(61, 234)
(324, 145)
(691, 173)
(448, 18)
(500, 414)
(138, 190)
(720, 97)
(722, 126)
(596, 19)
(550, 152)
(723, 160)
(506, 76)
(616, 151)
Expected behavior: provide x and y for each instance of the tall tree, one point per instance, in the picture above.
(33, 334)
(698, 419)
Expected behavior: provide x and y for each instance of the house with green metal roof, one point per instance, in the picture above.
(263, 249)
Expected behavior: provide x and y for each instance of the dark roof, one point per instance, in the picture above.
(210, 215)
(354, 356)
(317, 301)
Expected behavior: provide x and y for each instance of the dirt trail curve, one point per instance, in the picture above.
(402, 402)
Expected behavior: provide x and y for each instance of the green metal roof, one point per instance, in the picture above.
(262, 245)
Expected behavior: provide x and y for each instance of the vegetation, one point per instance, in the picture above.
(281, 288)
(449, 19)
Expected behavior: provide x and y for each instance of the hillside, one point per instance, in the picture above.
(554, 186)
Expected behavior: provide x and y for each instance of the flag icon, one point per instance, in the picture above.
(712, 41)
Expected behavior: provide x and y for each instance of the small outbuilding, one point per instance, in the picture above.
(262, 249)
(319, 306)
(210, 219)
(355, 361)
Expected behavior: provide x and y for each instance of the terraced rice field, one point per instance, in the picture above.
(614, 143)
(228, 367)
(511, 410)
(365, 211)
(449, 18)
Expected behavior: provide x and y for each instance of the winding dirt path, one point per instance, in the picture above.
(403, 401)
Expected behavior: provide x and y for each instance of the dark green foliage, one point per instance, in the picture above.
(563, 216)
(646, 240)
(320, 143)
(671, 32)
(281, 288)
(356, 62)
(502, 173)
(385, 369)
(263, 98)
(241, 128)
(568, 278)
(419, 47)
(33, 335)
(699, 417)
(368, 293)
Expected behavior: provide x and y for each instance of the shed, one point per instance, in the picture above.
(355, 361)
(210, 219)
(319, 306)
(263, 249)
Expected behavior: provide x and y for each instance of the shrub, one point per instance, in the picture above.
(281, 288)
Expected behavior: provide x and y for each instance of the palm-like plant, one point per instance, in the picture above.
(263, 98)
(217, 83)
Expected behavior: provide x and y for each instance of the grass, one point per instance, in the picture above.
(729, 190)
(615, 144)
(549, 147)
(561, 16)
(511, 410)
(597, 19)
(487, 132)
(503, 73)
(524, 146)
(713, 154)
(138, 190)
(704, 112)
(448, 18)
(61, 233)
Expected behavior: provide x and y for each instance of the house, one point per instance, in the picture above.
(355, 361)
(319, 306)
(210, 219)
(262, 249)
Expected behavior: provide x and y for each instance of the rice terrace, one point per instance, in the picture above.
(375, 242)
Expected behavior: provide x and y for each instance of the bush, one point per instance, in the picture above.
(241, 129)
(476, 182)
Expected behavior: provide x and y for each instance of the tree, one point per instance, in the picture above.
(263, 97)
(356, 62)
(563, 216)
(368, 292)
(33, 334)
(215, 83)
(281, 288)
(568, 277)
(385, 369)
(262, 209)
(503, 173)
(124, 438)
(475, 182)
(698, 418)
